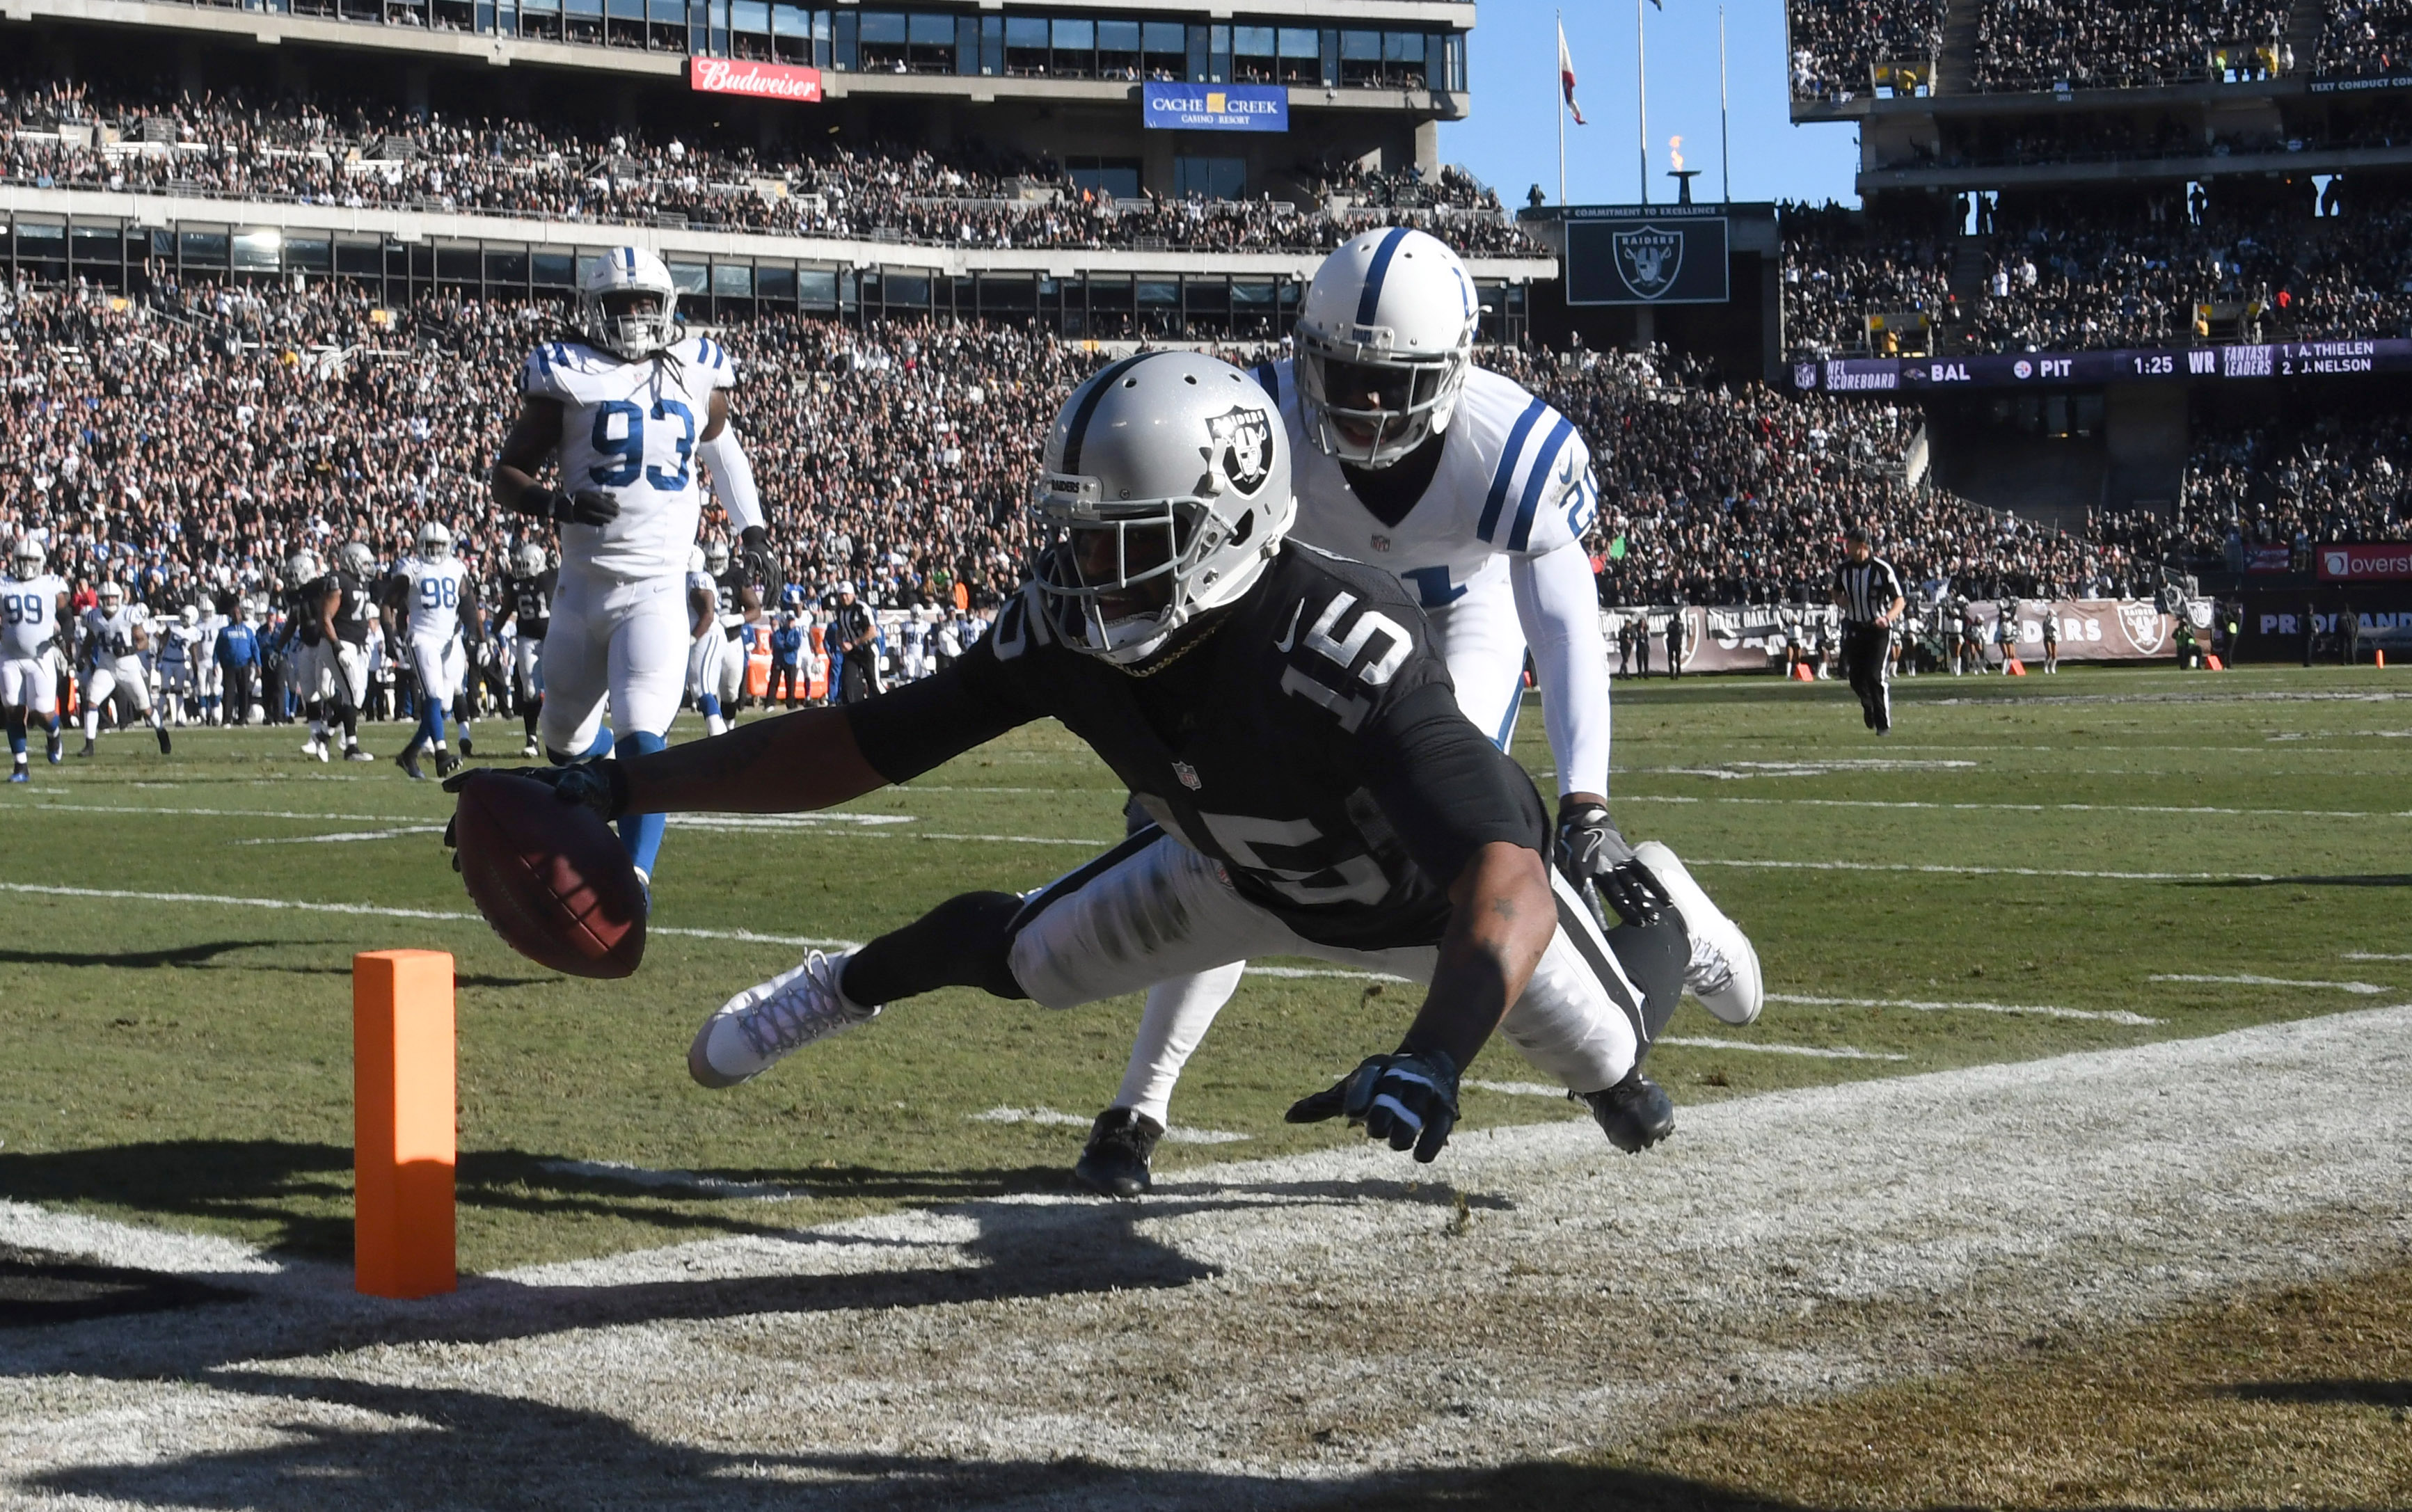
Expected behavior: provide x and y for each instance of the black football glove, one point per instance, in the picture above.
(1408, 1099)
(587, 506)
(600, 785)
(754, 550)
(1595, 860)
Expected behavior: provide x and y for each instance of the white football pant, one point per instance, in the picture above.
(624, 643)
(1153, 910)
(28, 683)
(440, 664)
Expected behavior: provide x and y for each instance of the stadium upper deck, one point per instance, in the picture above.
(1980, 95)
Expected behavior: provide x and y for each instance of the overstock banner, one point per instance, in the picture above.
(1751, 638)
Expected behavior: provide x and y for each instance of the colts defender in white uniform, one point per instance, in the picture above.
(114, 639)
(1475, 494)
(32, 611)
(431, 588)
(626, 411)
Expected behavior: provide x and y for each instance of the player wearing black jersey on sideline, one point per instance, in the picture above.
(1869, 593)
(1280, 717)
(527, 602)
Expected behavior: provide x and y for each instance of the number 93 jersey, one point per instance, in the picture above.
(630, 428)
(1514, 479)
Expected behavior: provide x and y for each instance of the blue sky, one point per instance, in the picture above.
(1510, 141)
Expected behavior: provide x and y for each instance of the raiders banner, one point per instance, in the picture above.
(1645, 255)
(1752, 638)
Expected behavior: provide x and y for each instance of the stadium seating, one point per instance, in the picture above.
(232, 147)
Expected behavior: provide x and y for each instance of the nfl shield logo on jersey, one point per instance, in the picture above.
(1187, 773)
(1381, 543)
(1243, 441)
(1649, 258)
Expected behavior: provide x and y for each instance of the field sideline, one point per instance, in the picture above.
(2143, 870)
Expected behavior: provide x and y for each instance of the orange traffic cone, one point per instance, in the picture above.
(2382, 658)
(2016, 667)
(1801, 673)
(2214, 664)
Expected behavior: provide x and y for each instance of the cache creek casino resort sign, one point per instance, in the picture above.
(1215, 107)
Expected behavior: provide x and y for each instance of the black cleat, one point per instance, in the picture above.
(407, 760)
(465, 751)
(1634, 1114)
(88, 747)
(1121, 1143)
(161, 730)
(447, 763)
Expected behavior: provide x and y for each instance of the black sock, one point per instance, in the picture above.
(964, 942)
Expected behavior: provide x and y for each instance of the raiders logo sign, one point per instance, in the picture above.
(2143, 622)
(1243, 447)
(1649, 258)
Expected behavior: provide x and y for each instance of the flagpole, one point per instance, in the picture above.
(1725, 151)
(1558, 92)
(1641, 94)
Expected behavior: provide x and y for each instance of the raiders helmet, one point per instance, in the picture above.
(528, 560)
(1384, 339)
(301, 567)
(1166, 488)
(715, 558)
(625, 299)
(357, 559)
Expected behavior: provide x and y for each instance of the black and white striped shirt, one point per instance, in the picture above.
(1865, 589)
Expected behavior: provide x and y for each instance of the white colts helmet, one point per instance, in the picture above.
(112, 598)
(1383, 341)
(434, 542)
(25, 559)
(357, 559)
(1166, 489)
(624, 300)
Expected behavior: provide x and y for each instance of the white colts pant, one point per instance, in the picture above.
(123, 678)
(1482, 641)
(439, 666)
(27, 683)
(621, 643)
(1152, 909)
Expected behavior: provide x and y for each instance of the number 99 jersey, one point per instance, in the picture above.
(630, 428)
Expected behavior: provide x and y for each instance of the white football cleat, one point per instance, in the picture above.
(1724, 971)
(762, 1025)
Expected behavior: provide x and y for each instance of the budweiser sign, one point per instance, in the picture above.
(2350, 562)
(767, 81)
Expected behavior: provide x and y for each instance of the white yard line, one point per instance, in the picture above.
(1919, 1006)
(2361, 989)
(1177, 1134)
(380, 911)
(1987, 871)
(1823, 1053)
(2372, 955)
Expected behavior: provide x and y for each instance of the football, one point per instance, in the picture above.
(550, 877)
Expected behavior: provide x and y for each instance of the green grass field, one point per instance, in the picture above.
(183, 1058)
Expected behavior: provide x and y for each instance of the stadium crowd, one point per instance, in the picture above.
(2283, 484)
(227, 145)
(2071, 273)
(897, 457)
(2366, 37)
(1837, 44)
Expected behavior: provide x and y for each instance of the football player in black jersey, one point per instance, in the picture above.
(1277, 714)
(527, 602)
(338, 676)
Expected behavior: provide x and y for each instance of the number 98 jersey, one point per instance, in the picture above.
(630, 428)
(433, 593)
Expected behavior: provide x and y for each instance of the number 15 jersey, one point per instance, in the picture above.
(630, 428)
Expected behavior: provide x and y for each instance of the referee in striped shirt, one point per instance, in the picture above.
(1869, 594)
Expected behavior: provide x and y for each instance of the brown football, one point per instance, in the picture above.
(550, 877)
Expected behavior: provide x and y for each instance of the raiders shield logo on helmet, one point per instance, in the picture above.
(1243, 447)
